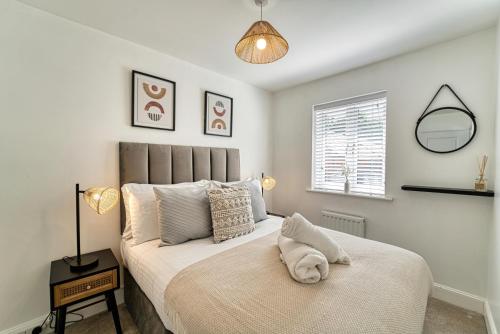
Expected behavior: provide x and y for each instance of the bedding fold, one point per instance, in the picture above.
(305, 264)
(300, 229)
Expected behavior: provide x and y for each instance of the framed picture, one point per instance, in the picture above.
(153, 102)
(218, 115)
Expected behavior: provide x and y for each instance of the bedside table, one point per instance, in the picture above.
(68, 288)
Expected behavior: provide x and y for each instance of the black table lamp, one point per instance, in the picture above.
(101, 200)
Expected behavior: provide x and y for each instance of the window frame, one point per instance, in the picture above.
(344, 102)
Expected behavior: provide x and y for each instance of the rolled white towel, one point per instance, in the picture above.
(300, 229)
(305, 264)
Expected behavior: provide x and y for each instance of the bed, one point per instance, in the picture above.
(199, 286)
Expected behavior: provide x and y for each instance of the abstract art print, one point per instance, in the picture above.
(218, 115)
(153, 103)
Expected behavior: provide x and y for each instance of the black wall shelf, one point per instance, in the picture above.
(456, 191)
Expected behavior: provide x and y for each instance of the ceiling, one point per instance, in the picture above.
(325, 36)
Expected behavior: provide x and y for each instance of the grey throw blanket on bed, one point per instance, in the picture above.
(248, 290)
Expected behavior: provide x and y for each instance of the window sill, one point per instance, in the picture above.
(359, 195)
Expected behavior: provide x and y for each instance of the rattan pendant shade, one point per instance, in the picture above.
(275, 46)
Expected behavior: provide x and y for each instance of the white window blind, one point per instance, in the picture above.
(350, 133)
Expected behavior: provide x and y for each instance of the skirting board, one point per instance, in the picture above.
(27, 326)
(459, 298)
(488, 317)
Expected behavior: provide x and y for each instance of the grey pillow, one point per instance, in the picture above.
(183, 214)
(258, 204)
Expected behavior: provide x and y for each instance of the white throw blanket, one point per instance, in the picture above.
(305, 264)
(301, 230)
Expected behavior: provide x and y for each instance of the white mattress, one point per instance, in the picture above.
(154, 267)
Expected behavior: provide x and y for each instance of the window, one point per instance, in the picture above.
(349, 135)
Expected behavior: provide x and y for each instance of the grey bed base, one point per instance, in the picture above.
(140, 307)
(167, 164)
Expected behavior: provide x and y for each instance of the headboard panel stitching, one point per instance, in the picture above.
(149, 164)
(192, 164)
(227, 166)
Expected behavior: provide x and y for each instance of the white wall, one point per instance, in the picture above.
(65, 93)
(449, 231)
(494, 242)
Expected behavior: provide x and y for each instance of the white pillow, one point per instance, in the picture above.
(141, 216)
(126, 190)
(127, 231)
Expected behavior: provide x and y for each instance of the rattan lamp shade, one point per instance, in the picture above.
(268, 183)
(275, 48)
(101, 199)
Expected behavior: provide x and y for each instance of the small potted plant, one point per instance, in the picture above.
(480, 183)
(346, 172)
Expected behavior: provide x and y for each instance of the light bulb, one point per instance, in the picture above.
(261, 43)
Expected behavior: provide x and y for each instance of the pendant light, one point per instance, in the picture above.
(261, 44)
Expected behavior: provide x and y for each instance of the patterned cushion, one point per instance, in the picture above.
(231, 210)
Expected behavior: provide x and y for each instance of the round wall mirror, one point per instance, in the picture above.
(446, 129)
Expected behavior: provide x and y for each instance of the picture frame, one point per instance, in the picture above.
(218, 115)
(153, 102)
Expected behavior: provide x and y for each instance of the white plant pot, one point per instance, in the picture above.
(347, 187)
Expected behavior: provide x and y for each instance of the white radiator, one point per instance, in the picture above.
(342, 222)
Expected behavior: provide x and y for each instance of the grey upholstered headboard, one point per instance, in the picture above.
(167, 164)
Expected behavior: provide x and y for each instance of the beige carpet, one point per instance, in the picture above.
(444, 318)
(441, 318)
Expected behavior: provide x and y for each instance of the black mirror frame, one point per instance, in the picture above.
(427, 113)
(468, 113)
